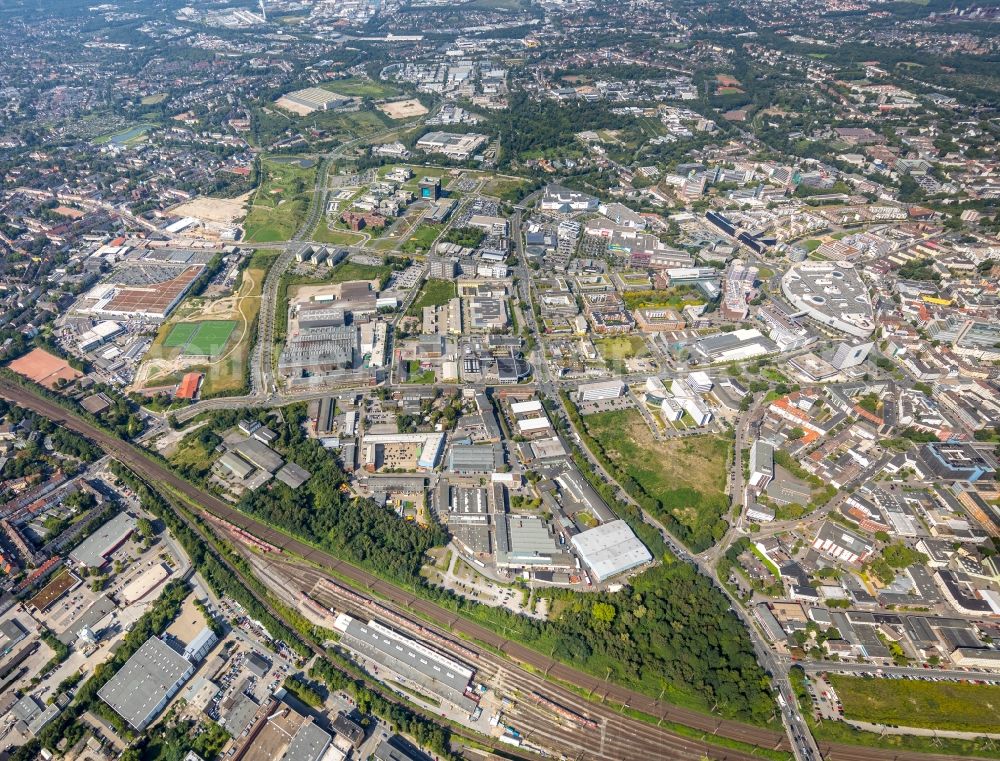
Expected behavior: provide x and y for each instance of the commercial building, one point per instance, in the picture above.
(734, 346)
(850, 355)
(456, 146)
(953, 461)
(94, 551)
(610, 550)
(833, 294)
(783, 325)
(592, 392)
(430, 188)
(562, 200)
(146, 683)
(761, 465)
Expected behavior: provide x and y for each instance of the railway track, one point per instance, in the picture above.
(515, 652)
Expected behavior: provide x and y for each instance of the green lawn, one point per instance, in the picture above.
(418, 376)
(211, 337)
(933, 705)
(434, 293)
(353, 271)
(281, 201)
(422, 239)
(180, 334)
(683, 480)
(360, 87)
(621, 347)
(325, 234)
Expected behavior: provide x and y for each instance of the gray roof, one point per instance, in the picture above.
(293, 475)
(472, 458)
(422, 665)
(259, 455)
(610, 549)
(309, 743)
(93, 551)
(151, 676)
(387, 752)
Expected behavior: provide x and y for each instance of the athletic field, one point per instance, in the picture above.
(205, 338)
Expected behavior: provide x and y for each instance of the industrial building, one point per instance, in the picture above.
(525, 541)
(146, 683)
(312, 99)
(473, 459)
(456, 146)
(319, 351)
(436, 673)
(94, 551)
(610, 550)
(592, 392)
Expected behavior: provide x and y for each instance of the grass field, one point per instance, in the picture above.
(504, 188)
(422, 239)
(621, 347)
(354, 271)
(153, 100)
(280, 203)
(362, 88)
(683, 478)
(202, 338)
(418, 376)
(180, 334)
(434, 293)
(933, 705)
(325, 234)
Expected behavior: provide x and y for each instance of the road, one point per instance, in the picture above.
(364, 581)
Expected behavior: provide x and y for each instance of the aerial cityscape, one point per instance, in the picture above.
(412, 380)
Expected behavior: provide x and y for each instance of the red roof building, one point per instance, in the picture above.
(189, 385)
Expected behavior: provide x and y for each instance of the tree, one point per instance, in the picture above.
(144, 527)
(603, 613)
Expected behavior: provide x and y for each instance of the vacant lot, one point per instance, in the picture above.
(434, 293)
(362, 88)
(280, 203)
(222, 329)
(934, 705)
(354, 271)
(621, 347)
(403, 109)
(681, 480)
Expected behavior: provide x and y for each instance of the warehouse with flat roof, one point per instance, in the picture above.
(610, 549)
(435, 672)
(95, 550)
(146, 683)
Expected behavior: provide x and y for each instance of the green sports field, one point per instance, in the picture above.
(180, 334)
(205, 338)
